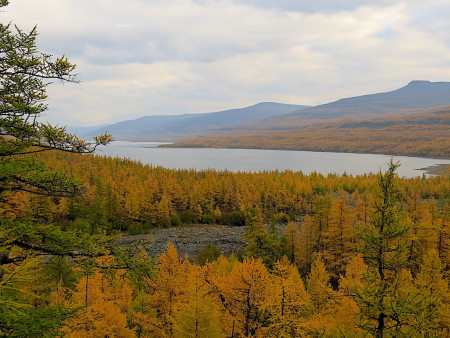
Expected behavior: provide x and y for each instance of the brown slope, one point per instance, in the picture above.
(424, 134)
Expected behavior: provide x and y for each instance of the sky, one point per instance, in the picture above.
(157, 57)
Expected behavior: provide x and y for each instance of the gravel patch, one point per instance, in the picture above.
(188, 240)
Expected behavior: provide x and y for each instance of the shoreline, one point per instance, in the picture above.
(438, 169)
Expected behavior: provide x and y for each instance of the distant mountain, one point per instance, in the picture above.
(167, 127)
(417, 96)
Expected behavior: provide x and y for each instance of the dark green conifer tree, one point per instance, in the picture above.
(25, 73)
(388, 301)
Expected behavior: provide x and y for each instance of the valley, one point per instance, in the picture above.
(412, 121)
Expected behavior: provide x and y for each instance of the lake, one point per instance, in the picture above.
(264, 160)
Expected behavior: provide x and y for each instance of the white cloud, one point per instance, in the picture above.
(141, 57)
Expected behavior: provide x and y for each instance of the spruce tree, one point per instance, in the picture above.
(25, 73)
(384, 248)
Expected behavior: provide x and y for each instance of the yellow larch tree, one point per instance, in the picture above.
(363, 207)
(322, 297)
(443, 229)
(132, 201)
(433, 289)
(287, 304)
(292, 234)
(164, 211)
(105, 314)
(354, 275)
(307, 245)
(320, 208)
(318, 285)
(243, 294)
(198, 316)
(419, 233)
(164, 294)
(339, 238)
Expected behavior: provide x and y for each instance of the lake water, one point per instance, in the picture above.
(264, 160)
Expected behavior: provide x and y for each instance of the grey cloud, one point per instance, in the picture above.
(190, 36)
(149, 44)
(165, 57)
(309, 6)
(432, 20)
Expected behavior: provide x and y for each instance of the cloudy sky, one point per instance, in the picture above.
(153, 57)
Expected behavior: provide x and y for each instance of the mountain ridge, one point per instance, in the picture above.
(166, 127)
(415, 97)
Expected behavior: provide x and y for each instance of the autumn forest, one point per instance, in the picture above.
(354, 248)
(324, 256)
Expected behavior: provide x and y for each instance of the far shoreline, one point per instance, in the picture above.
(174, 145)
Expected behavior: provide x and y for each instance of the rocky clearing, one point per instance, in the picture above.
(188, 240)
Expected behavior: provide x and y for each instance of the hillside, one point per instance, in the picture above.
(415, 97)
(424, 134)
(169, 127)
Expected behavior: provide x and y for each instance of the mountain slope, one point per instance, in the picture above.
(160, 127)
(415, 97)
(421, 134)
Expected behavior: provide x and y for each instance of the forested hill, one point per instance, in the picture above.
(423, 134)
(168, 127)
